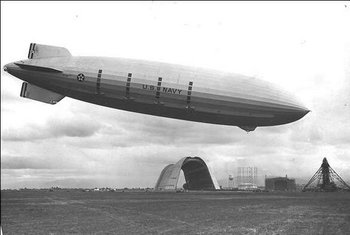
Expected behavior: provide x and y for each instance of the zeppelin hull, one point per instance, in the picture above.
(154, 88)
(162, 98)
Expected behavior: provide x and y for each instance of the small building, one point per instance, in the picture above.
(247, 187)
(280, 184)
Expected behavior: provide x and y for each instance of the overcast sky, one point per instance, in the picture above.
(302, 47)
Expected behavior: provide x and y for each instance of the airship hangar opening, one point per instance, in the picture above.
(196, 173)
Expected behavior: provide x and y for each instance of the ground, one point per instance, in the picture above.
(78, 212)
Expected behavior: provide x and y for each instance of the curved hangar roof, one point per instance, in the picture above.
(196, 172)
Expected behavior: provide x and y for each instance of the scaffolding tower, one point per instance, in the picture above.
(247, 175)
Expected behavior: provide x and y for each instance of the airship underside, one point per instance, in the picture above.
(160, 89)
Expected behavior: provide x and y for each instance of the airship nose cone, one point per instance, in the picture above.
(294, 105)
(301, 113)
(284, 105)
(292, 111)
(293, 116)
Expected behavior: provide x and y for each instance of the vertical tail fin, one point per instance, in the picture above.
(37, 51)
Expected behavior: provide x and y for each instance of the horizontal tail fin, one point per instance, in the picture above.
(40, 94)
(37, 51)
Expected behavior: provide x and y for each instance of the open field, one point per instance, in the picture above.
(74, 211)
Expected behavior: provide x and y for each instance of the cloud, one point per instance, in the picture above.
(79, 126)
(28, 133)
(76, 127)
(16, 162)
(35, 161)
(44, 145)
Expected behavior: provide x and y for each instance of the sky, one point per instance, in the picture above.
(303, 47)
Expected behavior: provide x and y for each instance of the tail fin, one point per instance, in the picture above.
(40, 94)
(37, 51)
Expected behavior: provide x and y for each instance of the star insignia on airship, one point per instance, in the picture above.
(81, 77)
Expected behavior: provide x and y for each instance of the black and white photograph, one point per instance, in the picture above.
(175, 117)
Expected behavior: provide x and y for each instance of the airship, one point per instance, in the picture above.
(174, 91)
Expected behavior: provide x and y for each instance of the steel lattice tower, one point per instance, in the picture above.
(326, 179)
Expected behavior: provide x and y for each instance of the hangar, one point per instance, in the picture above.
(197, 175)
(280, 184)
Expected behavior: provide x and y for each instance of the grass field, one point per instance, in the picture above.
(74, 211)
